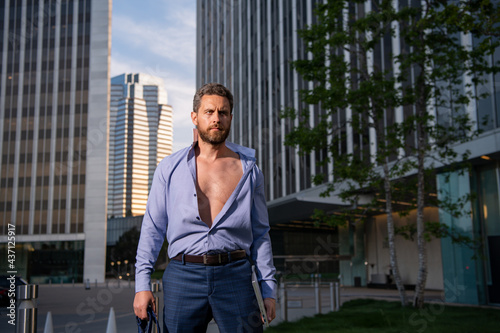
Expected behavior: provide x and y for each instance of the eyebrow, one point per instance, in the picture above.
(213, 109)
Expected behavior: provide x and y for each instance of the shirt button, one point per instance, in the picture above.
(198, 218)
(195, 194)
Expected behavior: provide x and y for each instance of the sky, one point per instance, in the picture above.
(158, 37)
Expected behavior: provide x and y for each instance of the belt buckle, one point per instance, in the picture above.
(205, 258)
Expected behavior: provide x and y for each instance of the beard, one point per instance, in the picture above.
(214, 137)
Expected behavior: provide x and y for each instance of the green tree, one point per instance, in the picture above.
(404, 116)
(126, 247)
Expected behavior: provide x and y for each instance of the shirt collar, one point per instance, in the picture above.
(249, 153)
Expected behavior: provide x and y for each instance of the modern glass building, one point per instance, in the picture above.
(54, 110)
(248, 46)
(141, 135)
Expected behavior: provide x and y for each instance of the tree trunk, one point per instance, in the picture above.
(418, 300)
(422, 255)
(390, 237)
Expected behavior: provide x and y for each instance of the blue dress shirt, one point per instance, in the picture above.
(172, 209)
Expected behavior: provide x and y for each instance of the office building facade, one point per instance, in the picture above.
(249, 46)
(141, 135)
(54, 102)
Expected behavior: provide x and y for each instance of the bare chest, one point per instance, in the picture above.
(215, 184)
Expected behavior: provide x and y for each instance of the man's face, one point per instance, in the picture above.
(213, 119)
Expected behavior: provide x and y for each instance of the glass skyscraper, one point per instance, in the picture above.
(141, 135)
(54, 119)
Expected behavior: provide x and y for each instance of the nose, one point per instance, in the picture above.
(216, 117)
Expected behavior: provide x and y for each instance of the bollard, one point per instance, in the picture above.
(111, 328)
(337, 296)
(280, 284)
(87, 284)
(317, 297)
(49, 327)
(73, 282)
(332, 299)
(284, 304)
(96, 283)
(155, 287)
(26, 308)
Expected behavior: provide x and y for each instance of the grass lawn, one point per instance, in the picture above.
(373, 316)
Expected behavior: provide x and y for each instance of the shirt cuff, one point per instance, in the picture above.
(142, 282)
(268, 289)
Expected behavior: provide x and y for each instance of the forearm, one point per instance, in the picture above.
(144, 267)
(150, 243)
(262, 257)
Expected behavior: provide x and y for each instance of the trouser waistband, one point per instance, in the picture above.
(212, 259)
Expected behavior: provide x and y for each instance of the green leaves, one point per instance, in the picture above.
(438, 230)
(406, 105)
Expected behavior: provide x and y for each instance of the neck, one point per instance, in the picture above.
(209, 151)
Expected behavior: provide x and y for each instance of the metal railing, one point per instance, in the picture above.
(155, 288)
(285, 289)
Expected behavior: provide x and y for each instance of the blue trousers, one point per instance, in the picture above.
(194, 294)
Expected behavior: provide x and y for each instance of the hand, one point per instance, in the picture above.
(270, 305)
(142, 300)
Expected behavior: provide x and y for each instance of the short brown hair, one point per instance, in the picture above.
(212, 89)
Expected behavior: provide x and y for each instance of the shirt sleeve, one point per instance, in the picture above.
(261, 250)
(154, 226)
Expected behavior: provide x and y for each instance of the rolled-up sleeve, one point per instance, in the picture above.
(261, 250)
(154, 226)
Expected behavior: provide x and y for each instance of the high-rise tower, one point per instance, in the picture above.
(141, 136)
(54, 109)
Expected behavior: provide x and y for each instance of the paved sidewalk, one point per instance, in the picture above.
(77, 310)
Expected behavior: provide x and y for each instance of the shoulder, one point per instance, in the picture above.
(170, 162)
(173, 158)
(241, 150)
(247, 157)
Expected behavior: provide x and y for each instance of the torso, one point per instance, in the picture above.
(216, 181)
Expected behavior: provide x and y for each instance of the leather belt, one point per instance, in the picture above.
(212, 259)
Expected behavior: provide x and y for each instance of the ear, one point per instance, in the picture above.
(194, 118)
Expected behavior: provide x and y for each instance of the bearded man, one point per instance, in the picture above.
(208, 200)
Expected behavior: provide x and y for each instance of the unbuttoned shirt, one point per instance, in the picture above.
(172, 209)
